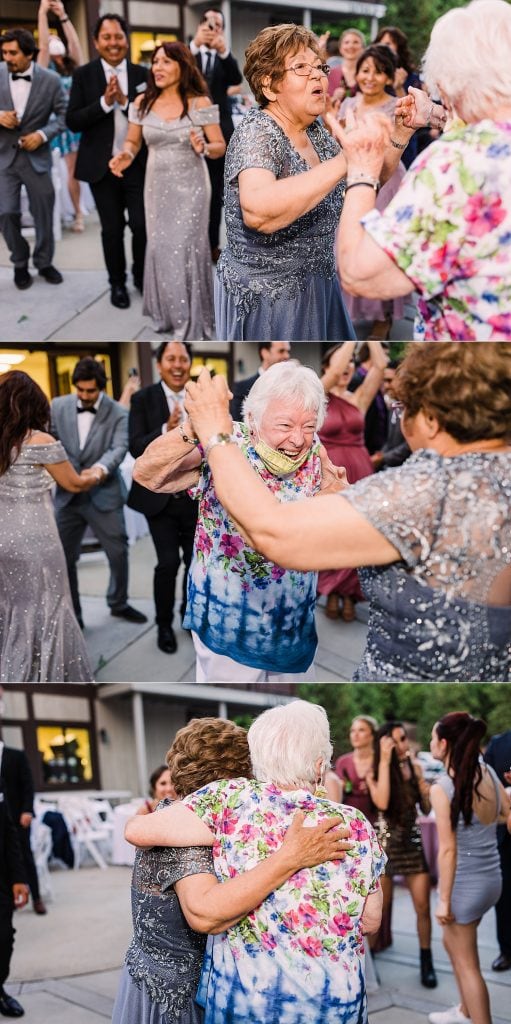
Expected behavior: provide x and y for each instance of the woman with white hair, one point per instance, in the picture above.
(447, 231)
(299, 956)
(251, 620)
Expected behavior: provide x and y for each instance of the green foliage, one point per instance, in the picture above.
(421, 705)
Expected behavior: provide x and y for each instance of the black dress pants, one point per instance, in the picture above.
(503, 907)
(114, 197)
(6, 933)
(28, 861)
(173, 532)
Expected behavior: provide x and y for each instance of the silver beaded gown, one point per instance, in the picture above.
(40, 639)
(163, 964)
(178, 273)
(443, 612)
(282, 285)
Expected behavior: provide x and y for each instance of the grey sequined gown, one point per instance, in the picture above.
(478, 879)
(40, 639)
(178, 273)
(442, 613)
(283, 285)
(164, 961)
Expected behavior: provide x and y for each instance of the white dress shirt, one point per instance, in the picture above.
(204, 50)
(120, 121)
(174, 398)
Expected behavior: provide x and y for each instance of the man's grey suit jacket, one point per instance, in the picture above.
(107, 443)
(46, 98)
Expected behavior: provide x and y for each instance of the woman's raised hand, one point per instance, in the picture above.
(207, 405)
(363, 141)
(413, 110)
(387, 745)
(308, 846)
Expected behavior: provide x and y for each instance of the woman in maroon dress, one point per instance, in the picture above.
(354, 768)
(343, 437)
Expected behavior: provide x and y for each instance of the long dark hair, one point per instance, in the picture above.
(191, 82)
(23, 407)
(464, 735)
(397, 802)
(400, 41)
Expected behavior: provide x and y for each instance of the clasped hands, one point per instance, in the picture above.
(92, 477)
(364, 140)
(113, 93)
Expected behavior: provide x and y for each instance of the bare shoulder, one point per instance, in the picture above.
(201, 101)
(39, 437)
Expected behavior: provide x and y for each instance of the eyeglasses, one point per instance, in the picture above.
(305, 70)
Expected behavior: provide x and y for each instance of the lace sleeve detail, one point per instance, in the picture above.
(44, 454)
(403, 504)
(157, 869)
(257, 142)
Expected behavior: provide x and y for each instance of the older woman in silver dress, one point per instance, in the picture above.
(40, 639)
(175, 118)
(284, 191)
(440, 595)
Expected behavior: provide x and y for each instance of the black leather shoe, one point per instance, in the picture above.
(22, 278)
(502, 963)
(51, 275)
(428, 976)
(119, 297)
(139, 284)
(167, 640)
(10, 1007)
(128, 613)
(39, 907)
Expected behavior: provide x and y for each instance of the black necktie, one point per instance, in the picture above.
(81, 409)
(209, 62)
(23, 78)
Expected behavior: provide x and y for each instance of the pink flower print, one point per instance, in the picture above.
(231, 545)
(229, 821)
(457, 328)
(484, 213)
(501, 325)
(203, 541)
(311, 946)
(268, 941)
(247, 832)
(277, 572)
(358, 829)
(308, 915)
(341, 924)
(291, 921)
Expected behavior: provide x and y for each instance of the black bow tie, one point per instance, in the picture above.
(23, 78)
(80, 409)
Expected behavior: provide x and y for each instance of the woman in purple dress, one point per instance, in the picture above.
(343, 437)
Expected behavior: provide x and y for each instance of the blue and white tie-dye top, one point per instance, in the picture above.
(298, 957)
(240, 604)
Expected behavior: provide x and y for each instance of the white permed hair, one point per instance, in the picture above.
(289, 383)
(285, 743)
(469, 58)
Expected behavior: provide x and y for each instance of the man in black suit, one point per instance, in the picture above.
(18, 787)
(13, 896)
(270, 352)
(172, 518)
(98, 108)
(220, 70)
(498, 755)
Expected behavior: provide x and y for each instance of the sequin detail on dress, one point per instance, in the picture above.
(292, 268)
(439, 614)
(178, 274)
(40, 640)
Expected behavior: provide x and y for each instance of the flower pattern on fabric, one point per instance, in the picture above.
(449, 229)
(432, 615)
(240, 604)
(298, 957)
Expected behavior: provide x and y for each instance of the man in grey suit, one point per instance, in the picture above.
(29, 96)
(94, 431)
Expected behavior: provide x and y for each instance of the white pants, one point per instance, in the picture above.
(217, 668)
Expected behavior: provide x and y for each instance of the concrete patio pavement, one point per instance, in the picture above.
(123, 652)
(66, 965)
(80, 308)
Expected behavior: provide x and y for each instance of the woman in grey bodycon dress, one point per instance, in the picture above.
(468, 803)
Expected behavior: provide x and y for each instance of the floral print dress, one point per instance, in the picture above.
(240, 604)
(298, 958)
(448, 228)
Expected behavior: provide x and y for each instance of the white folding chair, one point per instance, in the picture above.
(41, 842)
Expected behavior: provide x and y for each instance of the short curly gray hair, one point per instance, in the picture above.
(290, 384)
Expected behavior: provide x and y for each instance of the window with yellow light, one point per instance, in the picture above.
(65, 754)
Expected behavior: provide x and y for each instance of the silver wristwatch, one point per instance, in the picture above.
(217, 439)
